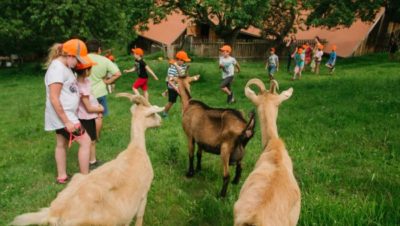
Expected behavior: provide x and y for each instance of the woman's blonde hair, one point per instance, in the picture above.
(54, 52)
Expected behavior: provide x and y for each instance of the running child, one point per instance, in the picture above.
(227, 64)
(299, 58)
(272, 64)
(332, 60)
(142, 68)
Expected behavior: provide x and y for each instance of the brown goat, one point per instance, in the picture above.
(224, 132)
(270, 196)
(112, 194)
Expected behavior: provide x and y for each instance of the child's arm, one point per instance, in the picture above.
(90, 108)
(178, 69)
(151, 72)
(237, 66)
(172, 83)
(277, 64)
(133, 69)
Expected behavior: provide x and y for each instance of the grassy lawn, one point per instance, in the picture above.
(341, 131)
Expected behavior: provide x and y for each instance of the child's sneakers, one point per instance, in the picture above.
(231, 98)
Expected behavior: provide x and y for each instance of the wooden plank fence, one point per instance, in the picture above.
(242, 49)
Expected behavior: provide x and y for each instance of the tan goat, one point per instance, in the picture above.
(114, 193)
(270, 196)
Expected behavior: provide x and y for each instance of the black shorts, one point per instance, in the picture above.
(172, 95)
(67, 135)
(90, 127)
(226, 82)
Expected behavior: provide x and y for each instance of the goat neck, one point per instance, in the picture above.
(138, 135)
(184, 92)
(268, 115)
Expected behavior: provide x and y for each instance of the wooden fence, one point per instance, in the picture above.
(242, 49)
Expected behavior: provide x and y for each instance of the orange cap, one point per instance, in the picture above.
(75, 47)
(320, 46)
(333, 47)
(305, 46)
(88, 63)
(300, 50)
(110, 57)
(272, 49)
(182, 55)
(138, 51)
(226, 48)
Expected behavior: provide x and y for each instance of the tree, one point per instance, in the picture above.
(33, 25)
(328, 13)
(225, 17)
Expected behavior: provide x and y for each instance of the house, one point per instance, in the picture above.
(177, 30)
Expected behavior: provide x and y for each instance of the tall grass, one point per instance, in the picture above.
(342, 132)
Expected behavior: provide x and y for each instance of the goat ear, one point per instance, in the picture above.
(286, 94)
(153, 109)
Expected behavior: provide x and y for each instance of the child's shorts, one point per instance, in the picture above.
(172, 95)
(298, 69)
(271, 69)
(63, 132)
(140, 83)
(90, 127)
(226, 82)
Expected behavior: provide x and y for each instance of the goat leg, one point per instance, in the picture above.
(190, 172)
(199, 154)
(238, 172)
(225, 163)
(140, 213)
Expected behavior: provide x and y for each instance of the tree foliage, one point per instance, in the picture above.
(33, 25)
(225, 17)
(328, 13)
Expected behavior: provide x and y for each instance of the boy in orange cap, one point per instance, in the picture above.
(89, 108)
(272, 64)
(332, 60)
(178, 67)
(142, 68)
(299, 58)
(318, 57)
(227, 63)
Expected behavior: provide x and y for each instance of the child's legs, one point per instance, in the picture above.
(93, 158)
(61, 156)
(317, 64)
(136, 91)
(90, 127)
(168, 106)
(84, 152)
(144, 88)
(172, 96)
(226, 85)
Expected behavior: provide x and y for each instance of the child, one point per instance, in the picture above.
(299, 60)
(272, 64)
(62, 101)
(332, 60)
(89, 108)
(142, 68)
(318, 57)
(308, 55)
(177, 67)
(228, 64)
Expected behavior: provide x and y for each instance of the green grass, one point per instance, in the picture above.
(341, 131)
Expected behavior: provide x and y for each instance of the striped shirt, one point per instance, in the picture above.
(173, 72)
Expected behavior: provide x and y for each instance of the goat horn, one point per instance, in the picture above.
(135, 98)
(274, 86)
(257, 82)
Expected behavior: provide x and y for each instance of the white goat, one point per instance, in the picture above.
(114, 193)
(270, 196)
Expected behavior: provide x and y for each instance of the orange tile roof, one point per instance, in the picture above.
(347, 40)
(168, 30)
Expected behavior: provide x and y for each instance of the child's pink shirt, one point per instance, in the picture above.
(84, 90)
